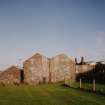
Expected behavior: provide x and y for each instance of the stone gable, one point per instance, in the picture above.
(36, 69)
(40, 69)
(62, 67)
(10, 76)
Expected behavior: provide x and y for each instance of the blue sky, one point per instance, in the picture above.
(73, 27)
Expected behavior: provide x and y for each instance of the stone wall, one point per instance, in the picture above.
(83, 68)
(36, 69)
(10, 76)
(62, 67)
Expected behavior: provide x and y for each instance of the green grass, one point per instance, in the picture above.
(50, 94)
(88, 86)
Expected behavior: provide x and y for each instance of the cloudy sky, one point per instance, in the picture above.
(73, 27)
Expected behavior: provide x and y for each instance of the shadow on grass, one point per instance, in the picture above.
(97, 92)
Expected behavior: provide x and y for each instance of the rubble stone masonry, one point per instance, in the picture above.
(40, 69)
(36, 69)
(10, 76)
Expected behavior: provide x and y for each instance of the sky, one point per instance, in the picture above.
(51, 27)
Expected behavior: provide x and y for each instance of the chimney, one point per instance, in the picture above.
(76, 61)
(82, 60)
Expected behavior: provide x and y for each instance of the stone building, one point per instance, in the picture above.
(11, 75)
(83, 66)
(0, 72)
(36, 69)
(62, 67)
(40, 69)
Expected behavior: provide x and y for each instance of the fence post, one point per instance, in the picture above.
(94, 86)
(80, 84)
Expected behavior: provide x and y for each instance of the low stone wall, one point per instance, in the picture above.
(83, 68)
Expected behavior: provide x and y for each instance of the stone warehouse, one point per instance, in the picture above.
(40, 69)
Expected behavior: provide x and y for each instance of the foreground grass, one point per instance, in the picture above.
(50, 94)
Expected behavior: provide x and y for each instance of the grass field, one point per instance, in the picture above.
(50, 94)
